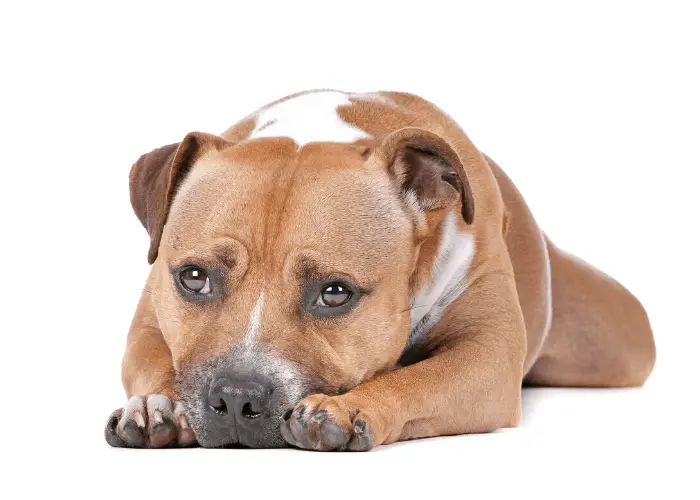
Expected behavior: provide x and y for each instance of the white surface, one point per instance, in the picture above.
(593, 111)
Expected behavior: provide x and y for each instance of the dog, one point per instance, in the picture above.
(339, 271)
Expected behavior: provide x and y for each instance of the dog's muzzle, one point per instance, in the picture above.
(240, 398)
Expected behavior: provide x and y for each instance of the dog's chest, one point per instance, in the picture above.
(448, 280)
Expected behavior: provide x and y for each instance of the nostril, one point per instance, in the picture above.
(219, 408)
(248, 412)
(239, 400)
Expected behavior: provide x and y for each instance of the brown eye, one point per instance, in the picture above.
(195, 280)
(334, 295)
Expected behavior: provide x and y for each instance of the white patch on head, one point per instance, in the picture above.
(253, 329)
(310, 117)
(448, 279)
(265, 361)
(372, 96)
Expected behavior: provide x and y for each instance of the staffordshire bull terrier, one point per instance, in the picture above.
(339, 271)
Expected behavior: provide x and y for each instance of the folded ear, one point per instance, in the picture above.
(155, 177)
(427, 170)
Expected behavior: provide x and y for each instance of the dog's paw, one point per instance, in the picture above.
(152, 421)
(326, 423)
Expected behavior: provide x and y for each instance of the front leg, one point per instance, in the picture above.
(153, 417)
(470, 384)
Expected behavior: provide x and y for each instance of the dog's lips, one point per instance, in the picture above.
(217, 437)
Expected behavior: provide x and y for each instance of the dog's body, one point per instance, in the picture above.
(355, 257)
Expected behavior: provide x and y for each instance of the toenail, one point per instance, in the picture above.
(183, 422)
(139, 419)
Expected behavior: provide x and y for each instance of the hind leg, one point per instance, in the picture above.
(600, 334)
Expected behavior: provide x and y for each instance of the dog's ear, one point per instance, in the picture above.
(155, 177)
(428, 171)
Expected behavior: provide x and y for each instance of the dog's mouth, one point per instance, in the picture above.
(236, 429)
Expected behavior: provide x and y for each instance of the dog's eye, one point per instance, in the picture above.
(195, 280)
(334, 295)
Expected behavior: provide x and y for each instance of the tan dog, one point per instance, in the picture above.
(355, 259)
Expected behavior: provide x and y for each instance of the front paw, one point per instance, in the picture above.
(152, 421)
(327, 423)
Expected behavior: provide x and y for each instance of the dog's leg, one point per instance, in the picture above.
(600, 334)
(470, 384)
(152, 417)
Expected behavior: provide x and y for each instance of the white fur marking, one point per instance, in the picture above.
(311, 117)
(264, 360)
(253, 329)
(448, 279)
(372, 96)
(548, 277)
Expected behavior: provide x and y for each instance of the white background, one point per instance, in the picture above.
(593, 110)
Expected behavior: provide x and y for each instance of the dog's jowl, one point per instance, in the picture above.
(339, 271)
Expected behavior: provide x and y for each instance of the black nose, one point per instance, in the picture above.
(243, 399)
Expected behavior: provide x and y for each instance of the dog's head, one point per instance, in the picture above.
(281, 272)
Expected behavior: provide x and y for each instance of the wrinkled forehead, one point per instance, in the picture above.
(278, 199)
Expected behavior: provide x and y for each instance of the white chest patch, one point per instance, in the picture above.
(311, 117)
(448, 279)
